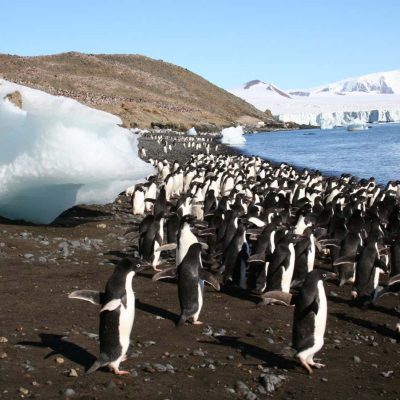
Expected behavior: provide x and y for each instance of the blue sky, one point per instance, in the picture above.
(294, 44)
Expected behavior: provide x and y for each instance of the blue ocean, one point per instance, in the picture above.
(373, 152)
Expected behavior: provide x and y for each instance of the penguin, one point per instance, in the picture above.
(305, 251)
(191, 277)
(138, 204)
(309, 320)
(117, 314)
(393, 287)
(161, 204)
(234, 259)
(151, 235)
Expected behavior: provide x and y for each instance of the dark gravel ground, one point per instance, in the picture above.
(47, 340)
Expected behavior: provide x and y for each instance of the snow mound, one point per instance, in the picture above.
(56, 153)
(233, 136)
(191, 132)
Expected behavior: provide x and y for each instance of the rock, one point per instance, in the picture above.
(271, 381)
(59, 360)
(3, 355)
(134, 373)
(15, 98)
(42, 259)
(324, 379)
(356, 359)
(23, 391)
(240, 386)
(387, 374)
(69, 392)
(198, 352)
(111, 385)
(101, 226)
(72, 373)
(160, 367)
(28, 256)
(230, 357)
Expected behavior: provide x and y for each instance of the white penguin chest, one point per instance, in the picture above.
(320, 317)
(127, 315)
(288, 273)
(187, 238)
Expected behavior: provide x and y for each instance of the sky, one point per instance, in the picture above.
(293, 44)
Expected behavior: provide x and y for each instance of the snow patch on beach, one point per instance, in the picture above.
(233, 136)
(191, 132)
(56, 153)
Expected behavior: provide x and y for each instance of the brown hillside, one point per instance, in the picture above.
(142, 91)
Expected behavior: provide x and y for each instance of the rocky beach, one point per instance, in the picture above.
(242, 351)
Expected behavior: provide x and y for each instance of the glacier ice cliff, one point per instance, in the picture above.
(327, 120)
(56, 153)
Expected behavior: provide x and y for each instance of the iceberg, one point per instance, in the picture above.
(56, 153)
(233, 136)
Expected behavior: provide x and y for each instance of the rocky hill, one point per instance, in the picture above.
(144, 92)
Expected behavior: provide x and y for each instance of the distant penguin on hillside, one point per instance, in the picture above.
(309, 319)
(116, 316)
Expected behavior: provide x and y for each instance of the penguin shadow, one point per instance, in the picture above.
(269, 358)
(157, 311)
(380, 329)
(241, 294)
(67, 349)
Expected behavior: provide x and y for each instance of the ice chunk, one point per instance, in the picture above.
(56, 153)
(191, 132)
(233, 136)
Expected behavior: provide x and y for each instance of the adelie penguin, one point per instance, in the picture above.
(309, 319)
(117, 314)
(191, 277)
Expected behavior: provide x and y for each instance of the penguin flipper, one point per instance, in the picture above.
(168, 246)
(166, 273)
(210, 279)
(92, 296)
(102, 361)
(344, 260)
(256, 221)
(256, 258)
(276, 296)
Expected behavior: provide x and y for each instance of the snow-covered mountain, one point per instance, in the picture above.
(369, 98)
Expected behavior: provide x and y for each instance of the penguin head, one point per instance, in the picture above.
(324, 275)
(127, 265)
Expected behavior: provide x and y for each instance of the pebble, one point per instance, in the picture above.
(356, 359)
(69, 392)
(324, 379)
(23, 391)
(271, 381)
(198, 352)
(111, 385)
(72, 373)
(3, 339)
(160, 367)
(59, 360)
(230, 357)
(101, 226)
(42, 259)
(28, 256)
(3, 355)
(387, 374)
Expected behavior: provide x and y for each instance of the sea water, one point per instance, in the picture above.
(373, 152)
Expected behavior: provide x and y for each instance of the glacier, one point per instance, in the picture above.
(56, 153)
(233, 136)
(367, 99)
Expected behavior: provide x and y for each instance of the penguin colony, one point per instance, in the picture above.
(239, 223)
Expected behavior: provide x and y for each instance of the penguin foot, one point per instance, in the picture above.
(119, 372)
(305, 365)
(318, 365)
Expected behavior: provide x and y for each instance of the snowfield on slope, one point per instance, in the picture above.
(370, 98)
